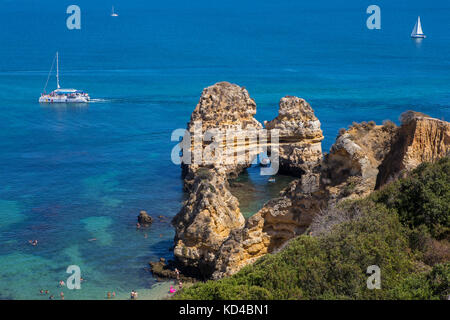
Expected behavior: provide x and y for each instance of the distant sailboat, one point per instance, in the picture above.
(113, 14)
(417, 31)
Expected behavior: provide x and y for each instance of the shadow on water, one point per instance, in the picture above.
(253, 190)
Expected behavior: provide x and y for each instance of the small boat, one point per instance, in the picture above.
(417, 31)
(113, 14)
(265, 162)
(271, 179)
(62, 95)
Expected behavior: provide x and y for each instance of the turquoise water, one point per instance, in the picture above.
(72, 174)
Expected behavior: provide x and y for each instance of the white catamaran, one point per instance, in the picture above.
(62, 95)
(417, 31)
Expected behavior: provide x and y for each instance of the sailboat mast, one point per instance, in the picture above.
(57, 70)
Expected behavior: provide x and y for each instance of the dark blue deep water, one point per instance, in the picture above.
(71, 174)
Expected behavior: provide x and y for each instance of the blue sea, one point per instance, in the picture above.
(72, 174)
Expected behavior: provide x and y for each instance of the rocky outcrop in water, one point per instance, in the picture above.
(211, 213)
(205, 221)
(212, 237)
(300, 148)
(144, 218)
(223, 108)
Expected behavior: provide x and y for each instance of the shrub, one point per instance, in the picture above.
(391, 228)
(332, 266)
(423, 198)
(430, 285)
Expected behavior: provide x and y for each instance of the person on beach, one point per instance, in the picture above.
(108, 295)
(132, 295)
(177, 273)
(62, 295)
(180, 285)
(61, 283)
(114, 294)
(46, 291)
(51, 297)
(41, 291)
(138, 225)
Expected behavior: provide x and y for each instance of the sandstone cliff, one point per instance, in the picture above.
(223, 107)
(205, 221)
(419, 139)
(212, 236)
(212, 214)
(359, 158)
(300, 136)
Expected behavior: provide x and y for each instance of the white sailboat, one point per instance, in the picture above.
(113, 14)
(62, 95)
(417, 31)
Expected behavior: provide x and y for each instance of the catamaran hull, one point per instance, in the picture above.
(63, 100)
(419, 37)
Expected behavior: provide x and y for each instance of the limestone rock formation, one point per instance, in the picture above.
(223, 108)
(419, 139)
(300, 136)
(211, 213)
(213, 238)
(269, 230)
(205, 221)
(350, 169)
(360, 156)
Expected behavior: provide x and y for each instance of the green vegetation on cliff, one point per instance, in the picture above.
(402, 228)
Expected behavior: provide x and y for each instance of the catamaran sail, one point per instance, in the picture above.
(417, 31)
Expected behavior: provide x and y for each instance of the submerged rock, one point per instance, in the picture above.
(144, 218)
(164, 270)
